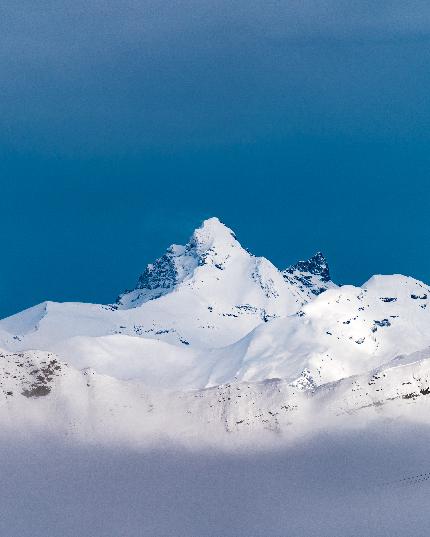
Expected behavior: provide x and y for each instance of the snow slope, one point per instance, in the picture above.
(344, 331)
(41, 394)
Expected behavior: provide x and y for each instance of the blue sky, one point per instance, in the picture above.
(303, 125)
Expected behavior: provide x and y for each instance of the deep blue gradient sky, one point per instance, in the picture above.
(303, 125)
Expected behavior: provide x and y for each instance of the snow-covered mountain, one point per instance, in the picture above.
(246, 338)
(205, 295)
(344, 331)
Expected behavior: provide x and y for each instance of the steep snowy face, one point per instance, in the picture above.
(312, 277)
(162, 276)
(212, 244)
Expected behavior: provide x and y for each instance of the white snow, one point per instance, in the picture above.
(206, 323)
(210, 294)
(220, 397)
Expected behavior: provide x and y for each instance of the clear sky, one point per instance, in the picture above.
(304, 125)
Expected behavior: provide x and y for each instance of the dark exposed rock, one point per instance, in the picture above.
(37, 390)
(316, 265)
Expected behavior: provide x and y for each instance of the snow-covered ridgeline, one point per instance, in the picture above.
(209, 313)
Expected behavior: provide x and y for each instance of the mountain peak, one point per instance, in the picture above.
(212, 234)
(214, 225)
(312, 276)
(316, 265)
(213, 248)
(210, 244)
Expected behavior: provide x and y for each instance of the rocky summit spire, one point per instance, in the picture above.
(312, 276)
(316, 265)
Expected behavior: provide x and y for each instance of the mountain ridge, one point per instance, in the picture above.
(207, 293)
(214, 245)
(208, 314)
